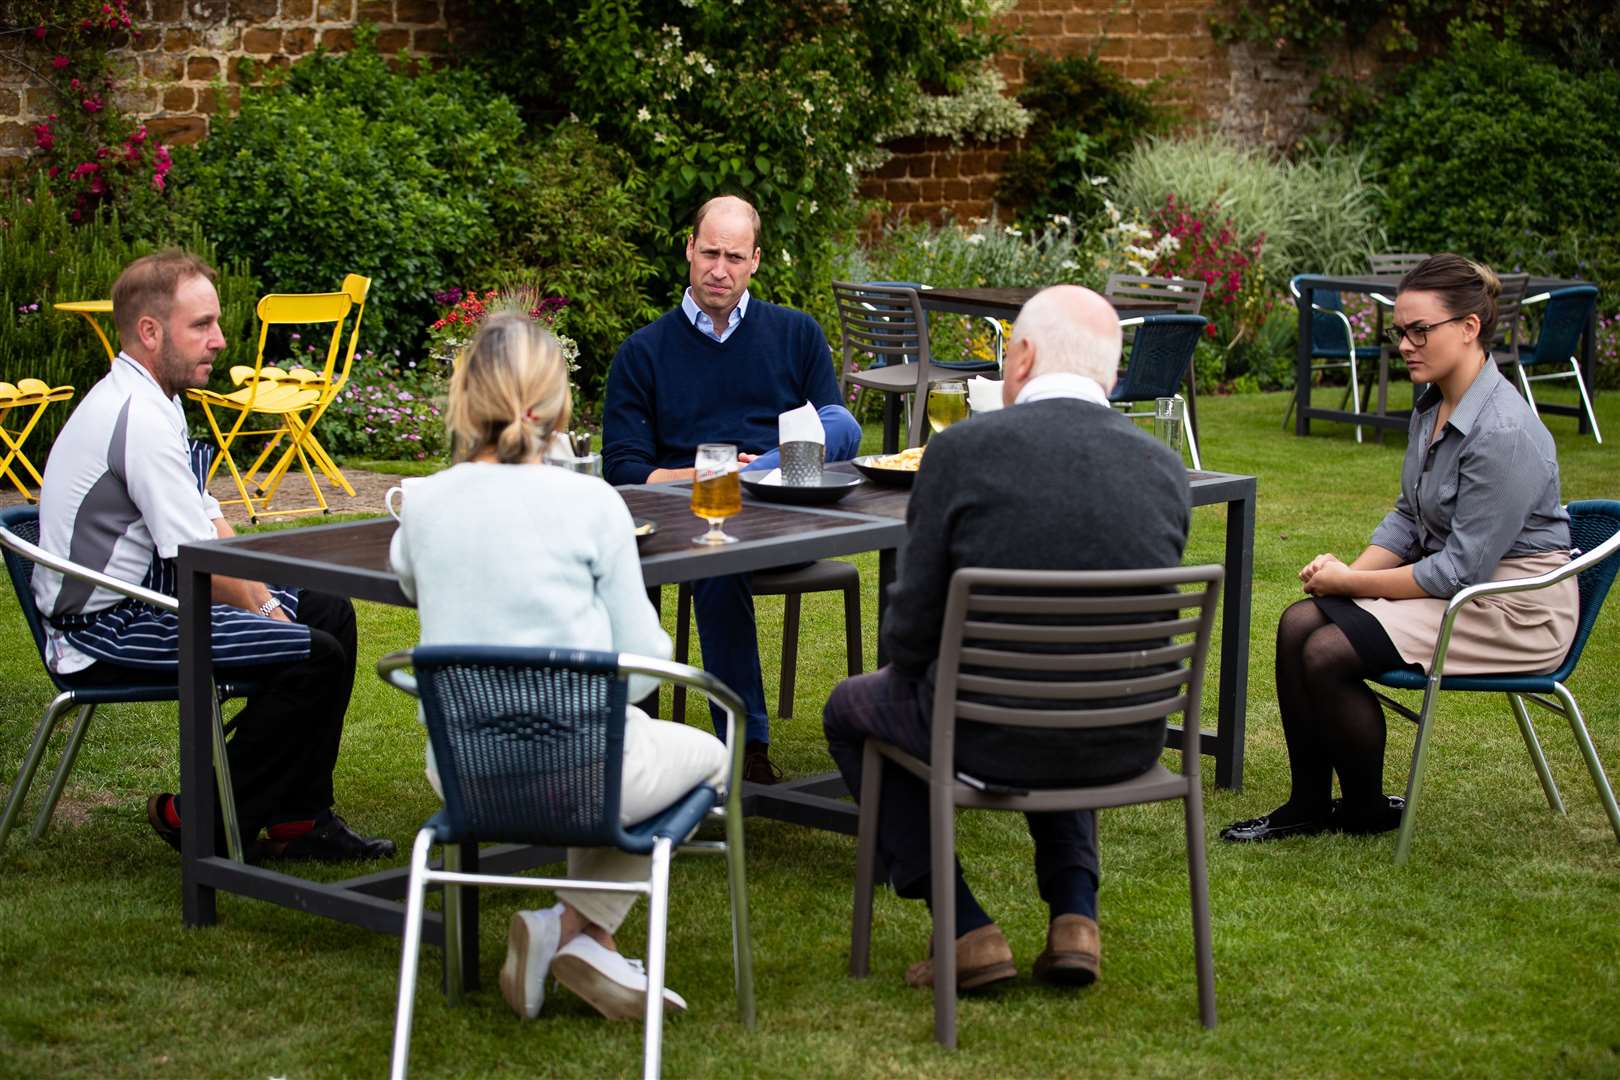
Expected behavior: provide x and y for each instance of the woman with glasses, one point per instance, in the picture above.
(1479, 501)
(502, 549)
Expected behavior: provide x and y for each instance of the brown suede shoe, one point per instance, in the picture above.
(982, 957)
(1073, 952)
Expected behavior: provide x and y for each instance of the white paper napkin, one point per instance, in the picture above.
(801, 425)
(560, 447)
(984, 395)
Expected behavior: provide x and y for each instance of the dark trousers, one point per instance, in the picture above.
(286, 738)
(896, 709)
(725, 622)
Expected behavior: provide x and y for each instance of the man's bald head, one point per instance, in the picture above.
(1072, 329)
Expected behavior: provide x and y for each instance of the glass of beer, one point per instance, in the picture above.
(947, 403)
(716, 490)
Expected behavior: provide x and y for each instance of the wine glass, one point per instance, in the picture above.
(947, 403)
(716, 490)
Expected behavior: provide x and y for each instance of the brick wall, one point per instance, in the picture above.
(1243, 90)
(186, 45)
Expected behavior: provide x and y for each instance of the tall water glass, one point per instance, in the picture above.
(716, 490)
(1168, 413)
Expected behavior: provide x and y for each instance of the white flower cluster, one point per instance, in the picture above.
(981, 111)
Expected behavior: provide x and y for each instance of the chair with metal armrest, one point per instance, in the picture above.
(19, 536)
(1563, 321)
(1161, 355)
(529, 746)
(1594, 527)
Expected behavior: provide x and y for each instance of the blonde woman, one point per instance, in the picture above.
(503, 549)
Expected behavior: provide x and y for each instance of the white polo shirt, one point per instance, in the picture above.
(118, 496)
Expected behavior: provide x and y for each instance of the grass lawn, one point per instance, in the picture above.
(1495, 952)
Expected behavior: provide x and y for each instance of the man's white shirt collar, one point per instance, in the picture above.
(1063, 384)
(705, 325)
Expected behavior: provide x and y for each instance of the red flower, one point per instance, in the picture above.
(59, 61)
(39, 32)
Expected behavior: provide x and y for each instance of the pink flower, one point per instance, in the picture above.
(93, 104)
(157, 181)
(59, 61)
(39, 32)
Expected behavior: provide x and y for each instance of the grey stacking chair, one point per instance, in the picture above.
(825, 575)
(19, 536)
(529, 745)
(885, 326)
(1135, 635)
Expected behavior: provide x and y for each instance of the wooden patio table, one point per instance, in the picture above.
(1386, 285)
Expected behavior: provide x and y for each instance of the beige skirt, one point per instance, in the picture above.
(1528, 632)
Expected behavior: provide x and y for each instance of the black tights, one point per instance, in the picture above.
(1332, 721)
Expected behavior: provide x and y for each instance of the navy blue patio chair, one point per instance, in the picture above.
(1333, 345)
(529, 745)
(19, 536)
(1594, 527)
(1161, 356)
(1563, 321)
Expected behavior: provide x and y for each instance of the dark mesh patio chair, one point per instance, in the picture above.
(1594, 527)
(19, 536)
(1135, 636)
(885, 344)
(1161, 356)
(1187, 294)
(1509, 306)
(827, 575)
(1563, 321)
(529, 744)
(1333, 343)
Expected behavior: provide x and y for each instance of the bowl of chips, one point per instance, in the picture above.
(896, 470)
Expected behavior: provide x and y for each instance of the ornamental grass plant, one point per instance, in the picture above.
(1491, 954)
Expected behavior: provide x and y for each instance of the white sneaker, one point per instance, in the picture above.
(530, 945)
(614, 985)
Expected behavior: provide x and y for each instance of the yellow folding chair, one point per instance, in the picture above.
(89, 309)
(299, 424)
(29, 398)
(272, 392)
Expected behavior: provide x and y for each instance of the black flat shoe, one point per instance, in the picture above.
(1257, 829)
(1383, 818)
(331, 841)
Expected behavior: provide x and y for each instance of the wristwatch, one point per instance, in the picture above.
(268, 606)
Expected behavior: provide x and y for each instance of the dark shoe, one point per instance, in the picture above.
(1261, 828)
(1385, 817)
(757, 767)
(983, 957)
(1073, 953)
(331, 841)
(155, 806)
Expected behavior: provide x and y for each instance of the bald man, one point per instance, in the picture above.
(1056, 481)
(721, 368)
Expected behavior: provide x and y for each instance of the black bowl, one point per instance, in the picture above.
(833, 486)
(887, 477)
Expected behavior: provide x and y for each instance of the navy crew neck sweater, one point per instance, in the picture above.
(672, 387)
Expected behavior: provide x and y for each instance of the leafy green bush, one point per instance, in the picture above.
(349, 166)
(1087, 116)
(571, 215)
(1319, 213)
(391, 410)
(45, 258)
(1493, 153)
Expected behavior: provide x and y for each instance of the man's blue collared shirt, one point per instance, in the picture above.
(705, 325)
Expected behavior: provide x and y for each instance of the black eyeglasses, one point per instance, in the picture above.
(1417, 333)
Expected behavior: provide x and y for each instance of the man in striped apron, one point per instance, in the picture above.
(123, 489)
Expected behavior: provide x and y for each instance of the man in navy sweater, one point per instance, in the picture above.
(721, 367)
